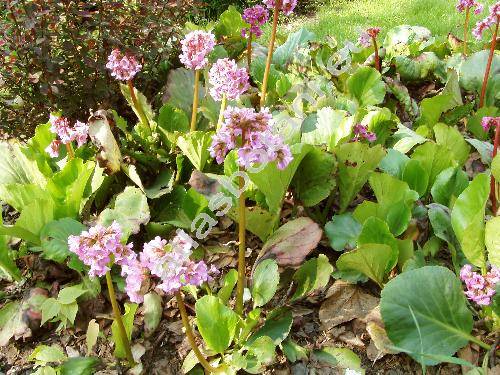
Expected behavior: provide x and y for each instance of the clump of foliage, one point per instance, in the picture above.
(401, 179)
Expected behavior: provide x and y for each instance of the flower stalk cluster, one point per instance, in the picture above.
(467, 6)
(480, 289)
(367, 39)
(488, 123)
(490, 22)
(66, 135)
(196, 47)
(124, 67)
(255, 16)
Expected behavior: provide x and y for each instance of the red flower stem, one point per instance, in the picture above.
(493, 186)
(488, 65)
(118, 318)
(249, 51)
(466, 29)
(138, 105)
(189, 333)
(377, 57)
(270, 51)
(195, 99)
(240, 287)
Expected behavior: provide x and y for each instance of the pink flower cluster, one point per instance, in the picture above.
(195, 49)
(255, 16)
(366, 37)
(101, 246)
(361, 132)
(66, 133)
(287, 6)
(489, 21)
(490, 122)
(227, 79)
(123, 67)
(249, 132)
(469, 4)
(480, 289)
(171, 264)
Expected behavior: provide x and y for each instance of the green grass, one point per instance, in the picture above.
(344, 19)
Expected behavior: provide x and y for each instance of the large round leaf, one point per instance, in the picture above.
(425, 313)
(366, 86)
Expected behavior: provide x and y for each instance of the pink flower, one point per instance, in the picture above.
(251, 131)
(135, 275)
(256, 16)
(287, 6)
(171, 264)
(480, 289)
(80, 133)
(490, 122)
(469, 4)
(361, 131)
(123, 67)
(61, 127)
(99, 247)
(195, 49)
(227, 79)
(489, 21)
(53, 148)
(367, 36)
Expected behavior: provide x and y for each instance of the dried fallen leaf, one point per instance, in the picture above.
(292, 242)
(346, 302)
(109, 156)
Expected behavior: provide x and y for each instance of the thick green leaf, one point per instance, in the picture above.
(495, 167)
(425, 312)
(276, 327)
(416, 68)
(19, 195)
(434, 159)
(264, 282)
(453, 140)
(179, 91)
(171, 120)
(216, 323)
(449, 184)
(492, 239)
(315, 180)
(312, 275)
(440, 218)
(330, 127)
(79, 366)
(293, 351)
(15, 167)
(366, 86)
(67, 187)
(394, 163)
(130, 211)
(230, 280)
(47, 354)
(153, 311)
(343, 358)
(343, 231)
(195, 146)
(229, 24)
(70, 294)
(54, 237)
(274, 183)
(467, 218)
(416, 177)
(372, 260)
(473, 68)
(33, 219)
(259, 353)
(285, 53)
(143, 102)
(128, 322)
(356, 161)
(407, 139)
(8, 267)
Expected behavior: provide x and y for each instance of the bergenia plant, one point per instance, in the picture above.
(196, 47)
(66, 134)
(228, 83)
(493, 123)
(480, 289)
(467, 6)
(367, 39)
(249, 133)
(287, 7)
(255, 16)
(100, 248)
(490, 22)
(124, 67)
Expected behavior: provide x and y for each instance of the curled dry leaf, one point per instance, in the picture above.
(292, 242)
(109, 155)
(380, 344)
(345, 302)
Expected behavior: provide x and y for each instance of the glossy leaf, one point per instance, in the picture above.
(366, 86)
(343, 231)
(264, 282)
(312, 275)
